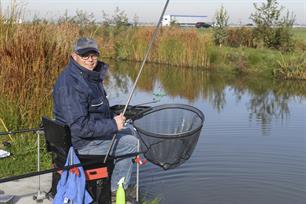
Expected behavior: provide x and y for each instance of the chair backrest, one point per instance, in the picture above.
(57, 135)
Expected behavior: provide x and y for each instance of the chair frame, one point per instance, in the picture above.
(98, 175)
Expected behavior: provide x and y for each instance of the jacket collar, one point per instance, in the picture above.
(97, 74)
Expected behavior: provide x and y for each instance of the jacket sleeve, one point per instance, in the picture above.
(74, 105)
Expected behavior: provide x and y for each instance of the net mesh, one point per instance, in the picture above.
(169, 133)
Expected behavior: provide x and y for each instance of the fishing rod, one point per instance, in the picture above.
(139, 73)
(56, 169)
(155, 100)
(33, 130)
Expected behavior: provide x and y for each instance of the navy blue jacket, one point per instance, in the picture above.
(80, 102)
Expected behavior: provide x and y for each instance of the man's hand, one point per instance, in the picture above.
(120, 120)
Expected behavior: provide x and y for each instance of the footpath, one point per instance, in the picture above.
(23, 190)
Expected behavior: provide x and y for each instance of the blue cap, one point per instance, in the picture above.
(85, 45)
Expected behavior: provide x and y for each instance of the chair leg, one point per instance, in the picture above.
(100, 190)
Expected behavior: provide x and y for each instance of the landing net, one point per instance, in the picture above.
(169, 133)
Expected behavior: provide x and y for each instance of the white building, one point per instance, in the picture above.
(182, 20)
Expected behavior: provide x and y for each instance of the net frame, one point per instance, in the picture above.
(170, 106)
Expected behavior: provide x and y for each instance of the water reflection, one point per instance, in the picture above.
(231, 163)
(268, 98)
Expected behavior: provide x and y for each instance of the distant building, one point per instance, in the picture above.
(14, 21)
(182, 20)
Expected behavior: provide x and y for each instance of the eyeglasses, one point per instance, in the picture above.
(87, 56)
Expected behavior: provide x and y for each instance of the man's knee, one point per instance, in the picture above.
(132, 141)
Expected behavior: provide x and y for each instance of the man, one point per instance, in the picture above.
(80, 102)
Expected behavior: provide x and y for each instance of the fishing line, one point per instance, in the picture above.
(139, 73)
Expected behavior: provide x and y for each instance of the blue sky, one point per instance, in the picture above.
(149, 10)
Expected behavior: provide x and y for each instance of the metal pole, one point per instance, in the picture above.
(38, 161)
(40, 196)
(146, 55)
(139, 73)
(137, 175)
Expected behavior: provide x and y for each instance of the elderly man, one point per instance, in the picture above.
(80, 102)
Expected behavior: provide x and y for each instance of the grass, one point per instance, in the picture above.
(291, 66)
(299, 33)
(154, 201)
(24, 155)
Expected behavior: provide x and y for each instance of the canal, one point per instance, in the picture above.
(252, 148)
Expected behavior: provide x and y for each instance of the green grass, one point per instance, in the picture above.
(154, 201)
(261, 62)
(23, 159)
(299, 33)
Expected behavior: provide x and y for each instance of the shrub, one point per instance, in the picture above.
(291, 67)
(271, 28)
(219, 29)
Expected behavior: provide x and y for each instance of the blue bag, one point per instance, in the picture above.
(72, 186)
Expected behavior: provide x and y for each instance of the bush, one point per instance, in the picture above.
(291, 67)
(220, 33)
(273, 30)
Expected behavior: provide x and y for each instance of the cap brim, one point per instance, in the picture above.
(87, 50)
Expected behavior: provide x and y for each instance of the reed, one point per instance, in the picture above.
(291, 67)
(238, 37)
(173, 46)
(31, 59)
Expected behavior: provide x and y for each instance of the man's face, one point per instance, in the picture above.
(88, 60)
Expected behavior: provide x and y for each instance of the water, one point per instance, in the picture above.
(252, 148)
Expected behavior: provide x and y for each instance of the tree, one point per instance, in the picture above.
(271, 28)
(82, 18)
(135, 20)
(120, 18)
(220, 26)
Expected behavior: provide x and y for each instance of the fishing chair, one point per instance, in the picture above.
(98, 176)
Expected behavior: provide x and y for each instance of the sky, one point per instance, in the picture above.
(149, 10)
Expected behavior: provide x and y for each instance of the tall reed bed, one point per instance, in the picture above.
(32, 55)
(174, 46)
(31, 58)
